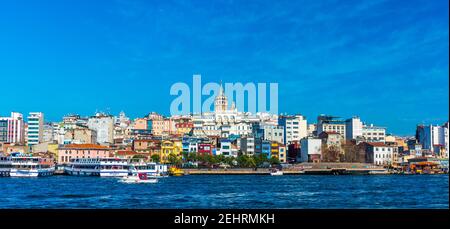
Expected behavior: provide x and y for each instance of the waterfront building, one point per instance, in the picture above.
(353, 128)
(184, 128)
(189, 144)
(121, 132)
(397, 152)
(58, 132)
(332, 140)
(378, 153)
(160, 125)
(48, 134)
(310, 150)
(46, 147)
(35, 130)
(295, 127)
(76, 151)
(312, 130)
(278, 150)
(434, 138)
(129, 154)
(269, 132)
(225, 148)
(25, 133)
(282, 153)
(262, 147)
(122, 120)
(104, 126)
(373, 133)
(328, 123)
(204, 148)
(3, 131)
(9, 148)
(247, 145)
(275, 149)
(147, 146)
(416, 150)
(170, 147)
(15, 128)
(140, 124)
(293, 152)
(71, 119)
(80, 135)
(390, 139)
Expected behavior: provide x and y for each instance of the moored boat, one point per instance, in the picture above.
(276, 172)
(174, 171)
(28, 166)
(103, 167)
(138, 178)
(151, 169)
(5, 166)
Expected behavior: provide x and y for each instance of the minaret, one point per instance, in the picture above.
(221, 101)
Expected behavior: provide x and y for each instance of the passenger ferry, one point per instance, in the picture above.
(5, 166)
(103, 167)
(28, 166)
(151, 169)
(162, 170)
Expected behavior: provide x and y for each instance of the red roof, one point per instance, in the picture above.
(184, 125)
(85, 146)
(126, 152)
(379, 144)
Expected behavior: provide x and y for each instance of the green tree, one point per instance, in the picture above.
(139, 156)
(213, 160)
(274, 161)
(260, 159)
(193, 157)
(246, 161)
(185, 156)
(251, 162)
(155, 158)
(174, 159)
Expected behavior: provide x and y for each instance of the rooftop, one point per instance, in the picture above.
(379, 144)
(85, 146)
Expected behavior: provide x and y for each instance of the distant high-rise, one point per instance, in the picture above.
(353, 128)
(3, 130)
(35, 128)
(295, 127)
(327, 123)
(434, 138)
(104, 126)
(14, 128)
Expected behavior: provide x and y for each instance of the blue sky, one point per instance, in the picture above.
(386, 61)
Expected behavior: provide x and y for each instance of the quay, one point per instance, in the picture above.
(285, 172)
(300, 169)
(295, 169)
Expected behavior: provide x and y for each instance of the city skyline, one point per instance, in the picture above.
(384, 61)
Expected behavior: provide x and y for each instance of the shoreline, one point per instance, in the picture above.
(266, 172)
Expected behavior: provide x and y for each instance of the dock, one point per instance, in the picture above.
(312, 170)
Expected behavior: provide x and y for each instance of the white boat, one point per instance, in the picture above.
(138, 178)
(5, 166)
(379, 172)
(103, 167)
(28, 166)
(276, 173)
(151, 169)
